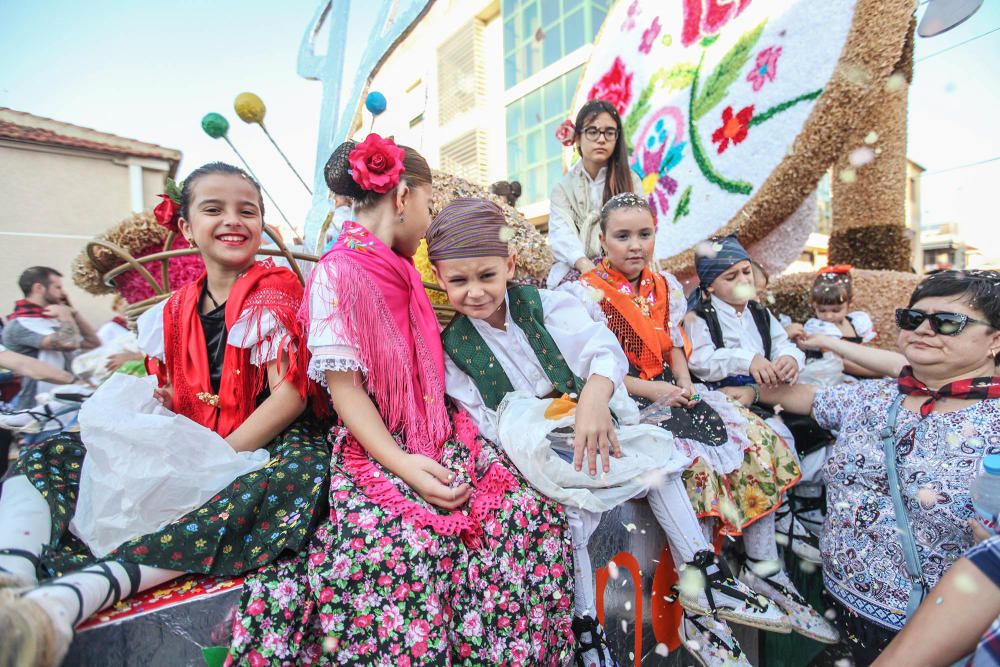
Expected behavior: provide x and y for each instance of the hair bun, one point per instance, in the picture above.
(338, 173)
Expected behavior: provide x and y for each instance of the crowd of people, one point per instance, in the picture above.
(431, 493)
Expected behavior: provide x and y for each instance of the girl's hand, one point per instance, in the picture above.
(811, 341)
(165, 395)
(744, 395)
(787, 369)
(795, 331)
(670, 395)
(432, 482)
(595, 430)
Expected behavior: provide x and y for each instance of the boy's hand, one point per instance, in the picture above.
(763, 371)
(787, 369)
(595, 430)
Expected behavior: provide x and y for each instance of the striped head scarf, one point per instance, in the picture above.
(468, 227)
(716, 256)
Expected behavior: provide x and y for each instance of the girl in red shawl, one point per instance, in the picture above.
(437, 552)
(229, 354)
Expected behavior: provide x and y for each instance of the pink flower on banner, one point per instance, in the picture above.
(765, 68)
(566, 133)
(649, 36)
(614, 87)
(704, 18)
(633, 11)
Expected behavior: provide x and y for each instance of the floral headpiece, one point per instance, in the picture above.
(566, 133)
(376, 164)
(167, 212)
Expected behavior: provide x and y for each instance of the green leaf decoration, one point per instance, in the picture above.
(708, 41)
(701, 159)
(683, 205)
(173, 190)
(679, 76)
(725, 73)
(767, 115)
(214, 656)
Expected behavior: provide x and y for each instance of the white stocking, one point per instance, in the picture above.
(582, 525)
(25, 524)
(672, 508)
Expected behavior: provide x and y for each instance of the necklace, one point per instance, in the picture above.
(208, 293)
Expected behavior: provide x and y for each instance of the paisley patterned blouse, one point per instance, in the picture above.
(937, 458)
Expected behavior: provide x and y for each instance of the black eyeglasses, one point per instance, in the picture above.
(946, 324)
(610, 133)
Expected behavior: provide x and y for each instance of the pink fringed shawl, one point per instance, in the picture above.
(382, 306)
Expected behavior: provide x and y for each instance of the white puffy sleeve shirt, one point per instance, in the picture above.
(586, 344)
(330, 349)
(261, 338)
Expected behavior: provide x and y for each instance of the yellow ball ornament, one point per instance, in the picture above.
(250, 108)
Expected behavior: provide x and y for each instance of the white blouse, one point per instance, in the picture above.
(331, 350)
(261, 338)
(587, 345)
(860, 320)
(742, 343)
(567, 247)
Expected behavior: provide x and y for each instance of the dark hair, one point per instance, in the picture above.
(619, 178)
(36, 274)
(214, 168)
(338, 176)
(625, 200)
(981, 290)
(832, 289)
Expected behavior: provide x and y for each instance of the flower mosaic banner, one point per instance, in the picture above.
(712, 95)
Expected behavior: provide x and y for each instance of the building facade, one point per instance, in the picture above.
(61, 185)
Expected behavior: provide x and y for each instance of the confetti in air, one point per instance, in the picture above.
(744, 292)
(859, 157)
(895, 83)
(848, 176)
(507, 233)
(612, 569)
(871, 137)
(661, 649)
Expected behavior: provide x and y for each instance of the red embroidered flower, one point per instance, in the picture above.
(166, 213)
(566, 133)
(734, 128)
(704, 18)
(614, 87)
(376, 164)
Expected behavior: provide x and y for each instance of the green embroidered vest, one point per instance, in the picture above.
(471, 353)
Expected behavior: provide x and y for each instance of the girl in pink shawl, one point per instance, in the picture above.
(436, 550)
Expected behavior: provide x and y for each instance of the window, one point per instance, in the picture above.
(534, 157)
(537, 33)
(465, 157)
(461, 80)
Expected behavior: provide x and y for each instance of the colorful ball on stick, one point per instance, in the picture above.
(215, 125)
(250, 108)
(375, 102)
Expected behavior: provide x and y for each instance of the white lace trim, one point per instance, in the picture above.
(318, 366)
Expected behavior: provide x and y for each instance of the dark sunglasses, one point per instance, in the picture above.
(946, 324)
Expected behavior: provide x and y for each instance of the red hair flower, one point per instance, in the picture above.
(376, 164)
(167, 213)
(566, 133)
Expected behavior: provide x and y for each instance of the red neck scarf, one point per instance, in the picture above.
(638, 317)
(262, 286)
(385, 311)
(976, 388)
(120, 321)
(25, 308)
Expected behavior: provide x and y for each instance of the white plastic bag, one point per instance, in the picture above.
(824, 372)
(146, 466)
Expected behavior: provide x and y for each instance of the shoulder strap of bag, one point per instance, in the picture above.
(918, 589)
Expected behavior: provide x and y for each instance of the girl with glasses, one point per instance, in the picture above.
(907, 449)
(601, 173)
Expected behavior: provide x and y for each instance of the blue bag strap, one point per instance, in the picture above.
(918, 589)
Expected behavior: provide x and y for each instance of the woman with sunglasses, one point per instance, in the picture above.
(896, 522)
(601, 173)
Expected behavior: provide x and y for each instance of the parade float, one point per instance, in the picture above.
(733, 112)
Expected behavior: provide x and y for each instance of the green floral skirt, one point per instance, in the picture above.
(258, 517)
(751, 491)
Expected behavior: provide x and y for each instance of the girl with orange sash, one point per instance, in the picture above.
(738, 481)
(230, 356)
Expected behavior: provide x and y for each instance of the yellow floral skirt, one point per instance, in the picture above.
(753, 490)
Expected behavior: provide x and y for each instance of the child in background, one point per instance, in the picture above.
(644, 311)
(831, 295)
(509, 350)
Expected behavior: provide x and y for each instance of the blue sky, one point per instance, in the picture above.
(151, 70)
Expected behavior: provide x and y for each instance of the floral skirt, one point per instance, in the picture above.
(384, 583)
(257, 518)
(752, 490)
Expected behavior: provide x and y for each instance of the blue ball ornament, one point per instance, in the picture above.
(375, 102)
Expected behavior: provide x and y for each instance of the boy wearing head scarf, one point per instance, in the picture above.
(735, 340)
(544, 379)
